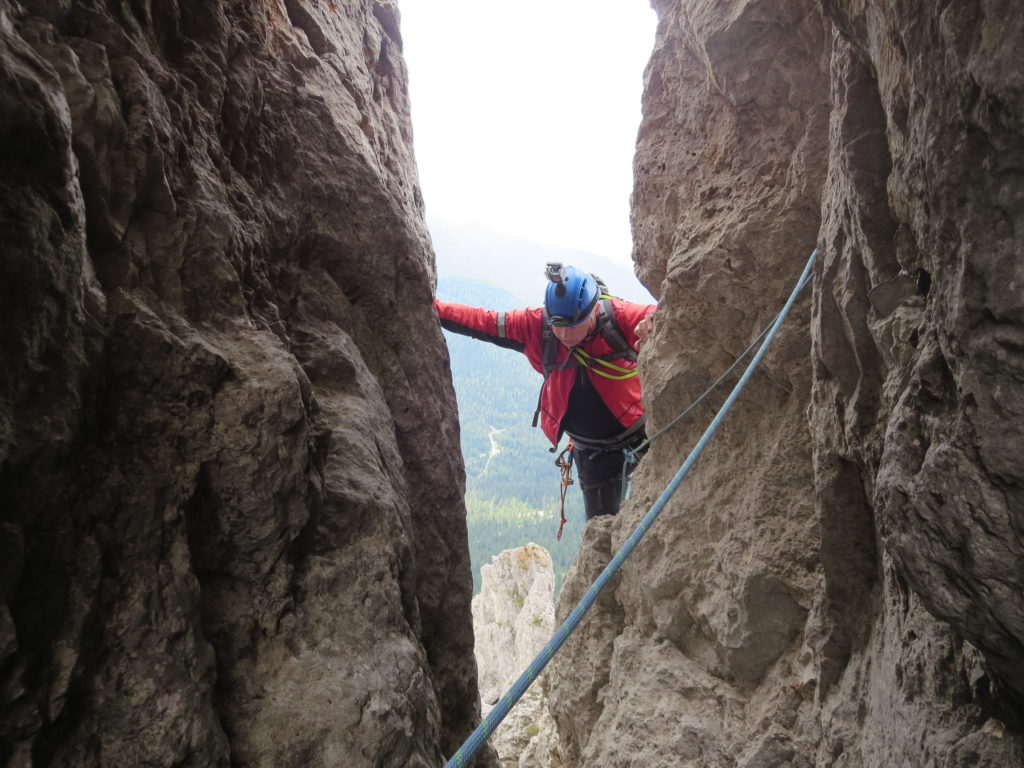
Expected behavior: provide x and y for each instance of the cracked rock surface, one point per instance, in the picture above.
(839, 580)
(231, 529)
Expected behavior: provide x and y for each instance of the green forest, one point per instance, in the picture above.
(512, 483)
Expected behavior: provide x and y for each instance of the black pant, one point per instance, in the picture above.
(600, 473)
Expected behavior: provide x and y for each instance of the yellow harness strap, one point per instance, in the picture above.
(620, 374)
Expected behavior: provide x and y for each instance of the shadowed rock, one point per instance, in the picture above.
(231, 528)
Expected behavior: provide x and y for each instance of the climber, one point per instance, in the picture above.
(585, 344)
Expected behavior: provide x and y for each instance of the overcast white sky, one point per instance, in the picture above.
(525, 114)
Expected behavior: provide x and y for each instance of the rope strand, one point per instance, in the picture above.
(476, 739)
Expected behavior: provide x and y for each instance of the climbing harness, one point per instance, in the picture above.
(483, 731)
(565, 468)
(608, 327)
(585, 359)
(620, 442)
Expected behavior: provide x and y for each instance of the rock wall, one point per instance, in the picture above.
(838, 583)
(231, 528)
(513, 617)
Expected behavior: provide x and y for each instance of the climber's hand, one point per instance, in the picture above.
(643, 329)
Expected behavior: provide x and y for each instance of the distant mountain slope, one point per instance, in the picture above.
(517, 264)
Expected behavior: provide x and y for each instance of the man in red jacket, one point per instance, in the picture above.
(585, 345)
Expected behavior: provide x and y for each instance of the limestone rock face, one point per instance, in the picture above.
(231, 525)
(513, 617)
(839, 581)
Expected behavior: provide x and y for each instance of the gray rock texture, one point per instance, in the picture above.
(231, 527)
(513, 617)
(839, 581)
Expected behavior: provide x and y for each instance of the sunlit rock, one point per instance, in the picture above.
(513, 617)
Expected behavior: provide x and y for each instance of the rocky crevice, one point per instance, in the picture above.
(232, 529)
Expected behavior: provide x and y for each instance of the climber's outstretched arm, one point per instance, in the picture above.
(506, 329)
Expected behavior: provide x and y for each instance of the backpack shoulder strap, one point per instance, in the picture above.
(609, 328)
(549, 346)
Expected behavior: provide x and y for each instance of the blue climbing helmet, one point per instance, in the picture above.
(570, 296)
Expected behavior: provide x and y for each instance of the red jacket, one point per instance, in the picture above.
(524, 329)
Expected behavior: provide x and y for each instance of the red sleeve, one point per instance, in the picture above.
(510, 329)
(475, 318)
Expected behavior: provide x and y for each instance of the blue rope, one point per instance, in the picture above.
(632, 455)
(483, 731)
